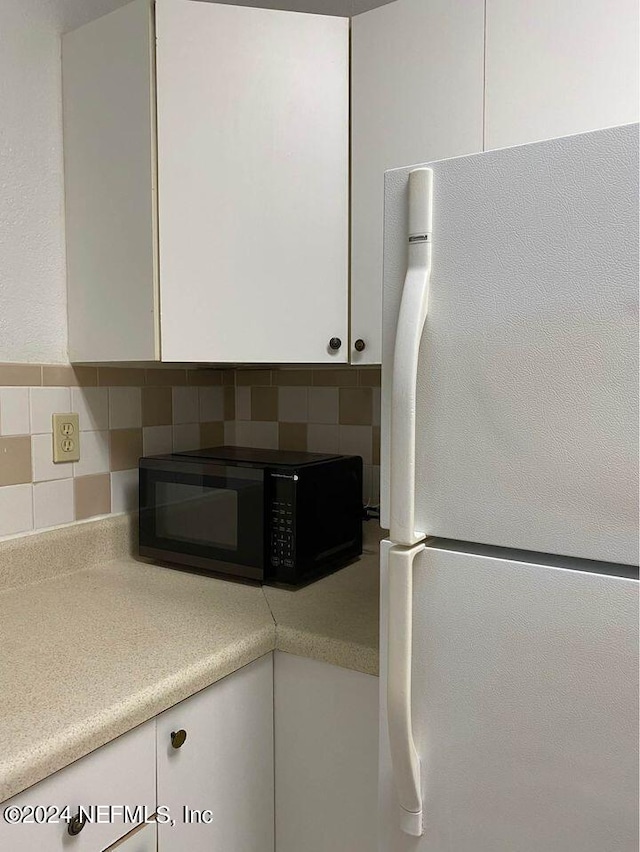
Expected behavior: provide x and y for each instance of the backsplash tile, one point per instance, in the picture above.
(14, 411)
(357, 441)
(211, 404)
(121, 377)
(293, 404)
(125, 448)
(355, 407)
(323, 438)
(323, 405)
(229, 434)
(125, 412)
(348, 377)
(16, 509)
(157, 440)
(212, 434)
(253, 378)
(125, 407)
(186, 436)
(92, 495)
(66, 376)
(185, 405)
(20, 375)
(157, 406)
(264, 403)
(53, 503)
(292, 436)
(290, 378)
(263, 434)
(15, 460)
(178, 407)
(92, 406)
(243, 403)
(229, 402)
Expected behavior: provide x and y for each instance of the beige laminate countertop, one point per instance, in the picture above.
(88, 654)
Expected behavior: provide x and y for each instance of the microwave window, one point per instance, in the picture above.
(197, 514)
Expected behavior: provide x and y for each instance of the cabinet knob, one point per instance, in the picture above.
(76, 824)
(335, 343)
(359, 345)
(178, 738)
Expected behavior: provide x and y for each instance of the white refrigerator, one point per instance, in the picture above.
(509, 618)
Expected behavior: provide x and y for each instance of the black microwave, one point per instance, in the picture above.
(276, 516)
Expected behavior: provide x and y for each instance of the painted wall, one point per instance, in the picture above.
(32, 283)
(33, 323)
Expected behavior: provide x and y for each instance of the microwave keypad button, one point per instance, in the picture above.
(282, 536)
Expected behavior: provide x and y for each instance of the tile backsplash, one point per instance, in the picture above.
(127, 412)
(320, 410)
(123, 414)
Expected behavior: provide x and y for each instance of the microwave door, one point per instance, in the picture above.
(210, 517)
(198, 514)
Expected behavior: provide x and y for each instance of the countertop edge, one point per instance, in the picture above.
(80, 741)
(327, 649)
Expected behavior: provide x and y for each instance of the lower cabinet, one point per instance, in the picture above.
(121, 774)
(326, 757)
(142, 839)
(217, 778)
(215, 766)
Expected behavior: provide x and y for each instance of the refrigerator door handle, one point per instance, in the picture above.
(411, 320)
(405, 761)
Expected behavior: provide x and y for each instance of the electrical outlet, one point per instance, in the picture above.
(66, 438)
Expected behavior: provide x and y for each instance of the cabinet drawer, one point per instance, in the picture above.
(121, 773)
(142, 839)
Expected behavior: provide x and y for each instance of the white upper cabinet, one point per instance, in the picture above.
(243, 256)
(558, 68)
(416, 94)
(110, 187)
(253, 149)
(207, 157)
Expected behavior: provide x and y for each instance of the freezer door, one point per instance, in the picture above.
(528, 376)
(524, 705)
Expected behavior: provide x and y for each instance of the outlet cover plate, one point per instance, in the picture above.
(66, 438)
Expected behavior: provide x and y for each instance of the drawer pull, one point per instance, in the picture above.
(76, 824)
(178, 738)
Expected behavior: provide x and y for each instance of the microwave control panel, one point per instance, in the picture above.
(282, 521)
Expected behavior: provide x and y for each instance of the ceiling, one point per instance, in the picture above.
(74, 13)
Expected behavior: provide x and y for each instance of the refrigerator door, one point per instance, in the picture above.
(524, 707)
(528, 377)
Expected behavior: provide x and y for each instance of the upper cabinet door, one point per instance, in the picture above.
(110, 187)
(558, 68)
(253, 183)
(417, 95)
